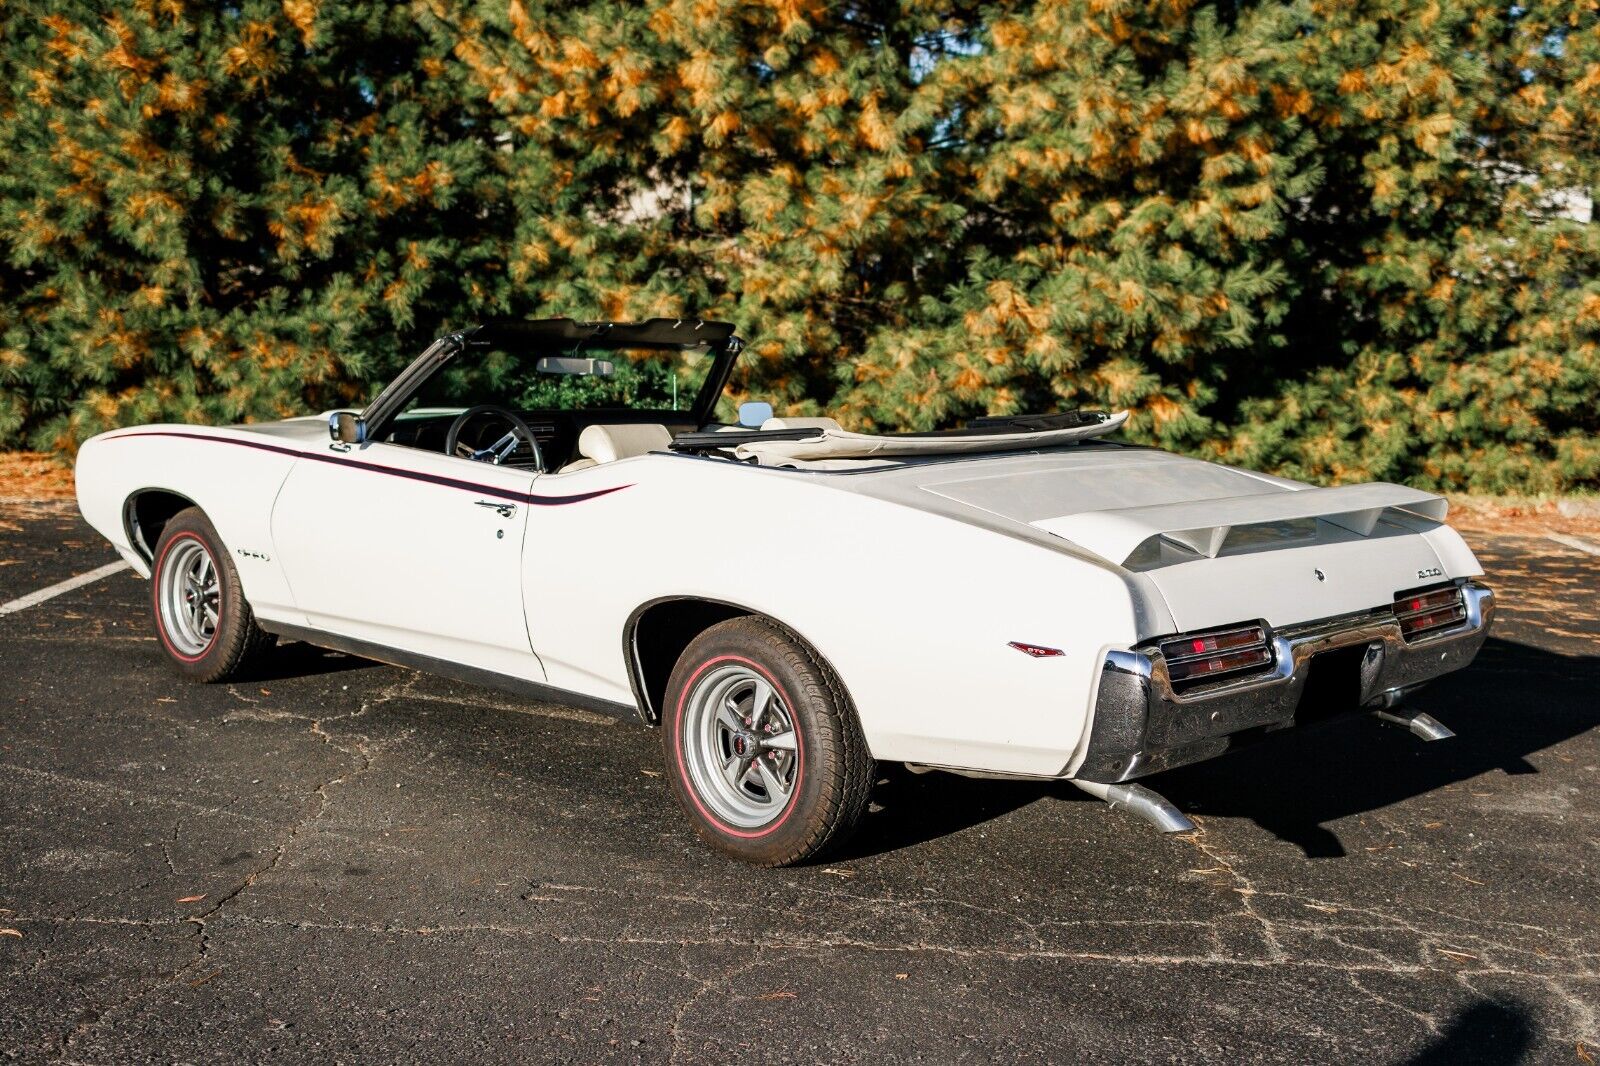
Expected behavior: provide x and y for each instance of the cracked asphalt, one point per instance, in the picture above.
(346, 861)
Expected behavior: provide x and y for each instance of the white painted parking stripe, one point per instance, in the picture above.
(1574, 542)
(22, 603)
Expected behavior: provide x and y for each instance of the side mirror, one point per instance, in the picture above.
(752, 414)
(347, 428)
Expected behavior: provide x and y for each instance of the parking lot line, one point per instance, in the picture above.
(22, 603)
(1574, 542)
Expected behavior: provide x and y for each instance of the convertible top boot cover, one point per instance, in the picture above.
(832, 442)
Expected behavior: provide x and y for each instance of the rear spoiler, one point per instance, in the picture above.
(1201, 526)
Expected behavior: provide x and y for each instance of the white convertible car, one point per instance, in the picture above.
(549, 506)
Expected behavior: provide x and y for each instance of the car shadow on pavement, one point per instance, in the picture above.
(298, 659)
(1512, 703)
(1489, 1032)
(911, 808)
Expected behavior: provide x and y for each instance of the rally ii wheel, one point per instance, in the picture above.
(201, 615)
(763, 748)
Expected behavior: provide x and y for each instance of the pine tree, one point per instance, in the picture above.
(1329, 238)
(224, 212)
(1336, 239)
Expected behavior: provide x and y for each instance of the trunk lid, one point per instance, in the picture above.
(1221, 545)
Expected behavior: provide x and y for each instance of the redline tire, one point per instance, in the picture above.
(202, 619)
(763, 748)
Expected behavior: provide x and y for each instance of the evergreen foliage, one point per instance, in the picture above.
(1339, 239)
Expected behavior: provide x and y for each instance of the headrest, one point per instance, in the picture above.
(607, 444)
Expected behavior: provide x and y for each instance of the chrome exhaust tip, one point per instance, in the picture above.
(1146, 803)
(1423, 725)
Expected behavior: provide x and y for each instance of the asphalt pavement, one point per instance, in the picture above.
(338, 860)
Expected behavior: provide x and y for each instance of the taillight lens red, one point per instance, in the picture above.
(1202, 656)
(1428, 610)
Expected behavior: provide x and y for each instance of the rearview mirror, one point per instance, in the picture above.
(752, 414)
(567, 364)
(347, 428)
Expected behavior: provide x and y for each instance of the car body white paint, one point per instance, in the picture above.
(910, 579)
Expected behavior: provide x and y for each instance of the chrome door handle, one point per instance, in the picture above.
(505, 510)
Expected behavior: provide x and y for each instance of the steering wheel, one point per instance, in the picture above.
(502, 449)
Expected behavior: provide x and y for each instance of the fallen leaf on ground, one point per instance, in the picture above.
(11, 932)
(835, 871)
(198, 981)
(165, 699)
(1432, 825)
(193, 899)
(1583, 1055)
(1458, 956)
(1467, 879)
(651, 773)
(901, 976)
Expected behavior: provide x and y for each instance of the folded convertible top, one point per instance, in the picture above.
(830, 443)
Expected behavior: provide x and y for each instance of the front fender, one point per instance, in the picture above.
(234, 486)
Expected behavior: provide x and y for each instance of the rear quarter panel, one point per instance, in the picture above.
(913, 610)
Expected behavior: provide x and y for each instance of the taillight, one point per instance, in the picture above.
(1428, 610)
(1204, 656)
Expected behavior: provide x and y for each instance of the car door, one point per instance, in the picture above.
(410, 549)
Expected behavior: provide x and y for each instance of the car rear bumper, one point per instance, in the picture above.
(1141, 725)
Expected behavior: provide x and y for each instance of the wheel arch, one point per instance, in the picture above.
(658, 631)
(146, 512)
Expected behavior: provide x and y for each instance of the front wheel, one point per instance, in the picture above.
(763, 748)
(201, 615)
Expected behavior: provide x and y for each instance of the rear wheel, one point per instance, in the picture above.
(763, 748)
(201, 616)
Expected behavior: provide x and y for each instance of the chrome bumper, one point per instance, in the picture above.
(1141, 725)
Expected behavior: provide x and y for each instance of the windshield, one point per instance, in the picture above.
(570, 378)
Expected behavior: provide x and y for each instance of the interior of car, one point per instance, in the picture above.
(562, 396)
(568, 440)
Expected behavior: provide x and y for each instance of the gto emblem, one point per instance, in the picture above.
(254, 555)
(1432, 571)
(1320, 575)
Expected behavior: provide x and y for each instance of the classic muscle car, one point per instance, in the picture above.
(554, 507)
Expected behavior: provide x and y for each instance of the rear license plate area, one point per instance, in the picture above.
(1333, 684)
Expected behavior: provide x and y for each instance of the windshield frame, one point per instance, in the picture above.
(665, 334)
